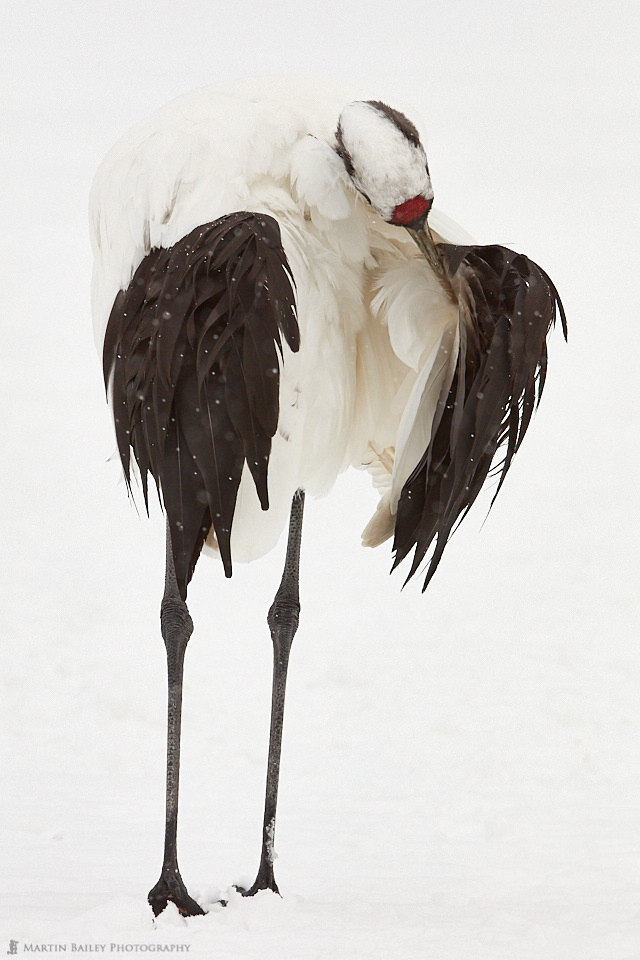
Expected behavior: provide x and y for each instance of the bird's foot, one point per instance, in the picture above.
(170, 887)
(264, 881)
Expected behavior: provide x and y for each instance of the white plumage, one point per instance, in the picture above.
(372, 315)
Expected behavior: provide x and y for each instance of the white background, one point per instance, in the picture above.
(460, 770)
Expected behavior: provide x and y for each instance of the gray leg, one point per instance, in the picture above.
(283, 623)
(177, 627)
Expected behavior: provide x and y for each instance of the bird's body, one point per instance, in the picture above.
(267, 321)
(369, 308)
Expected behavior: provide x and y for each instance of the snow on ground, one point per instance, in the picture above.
(460, 769)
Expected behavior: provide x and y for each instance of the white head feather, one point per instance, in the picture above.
(386, 166)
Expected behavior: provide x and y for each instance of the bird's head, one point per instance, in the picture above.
(387, 164)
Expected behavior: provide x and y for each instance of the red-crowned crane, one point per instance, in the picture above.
(275, 302)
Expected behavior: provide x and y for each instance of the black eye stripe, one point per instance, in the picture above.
(343, 153)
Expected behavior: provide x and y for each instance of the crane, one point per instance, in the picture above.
(276, 301)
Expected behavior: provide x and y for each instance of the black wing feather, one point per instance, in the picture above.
(192, 353)
(507, 307)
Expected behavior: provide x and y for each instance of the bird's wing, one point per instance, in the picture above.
(391, 468)
(415, 322)
(507, 306)
(424, 408)
(191, 354)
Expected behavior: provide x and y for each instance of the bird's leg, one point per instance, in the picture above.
(283, 623)
(177, 627)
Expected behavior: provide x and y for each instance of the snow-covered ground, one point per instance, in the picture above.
(461, 773)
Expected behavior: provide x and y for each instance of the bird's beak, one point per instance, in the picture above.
(426, 244)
